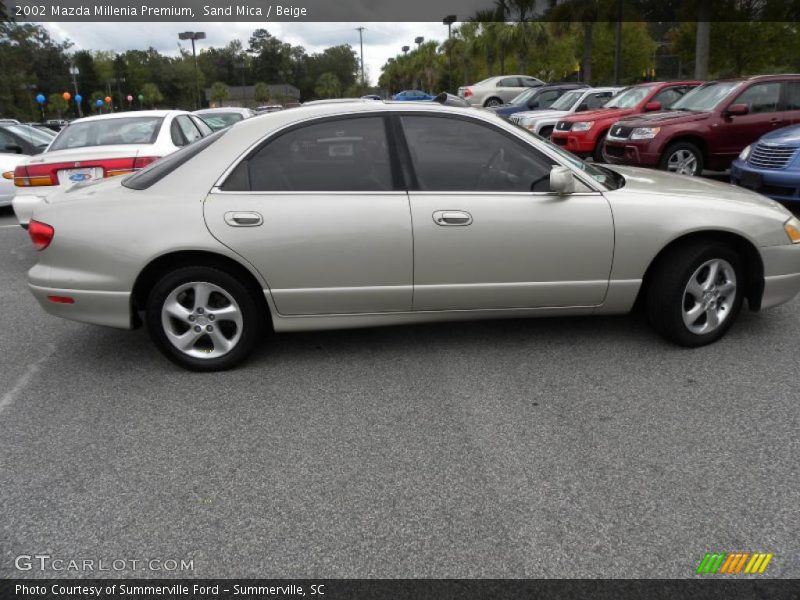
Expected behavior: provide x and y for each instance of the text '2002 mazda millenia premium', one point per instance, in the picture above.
(364, 214)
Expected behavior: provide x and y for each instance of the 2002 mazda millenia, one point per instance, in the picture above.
(371, 213)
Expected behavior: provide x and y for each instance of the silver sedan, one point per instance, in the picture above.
(370, 213)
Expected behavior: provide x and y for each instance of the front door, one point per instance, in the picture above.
(320, 212)
(488, 234)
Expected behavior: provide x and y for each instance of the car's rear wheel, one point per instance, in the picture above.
(203, 319)
(683, 158)
(597, 155)
(695, 293)
(493, 102)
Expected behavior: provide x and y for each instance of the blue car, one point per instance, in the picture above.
(412, 96)
(771, 165)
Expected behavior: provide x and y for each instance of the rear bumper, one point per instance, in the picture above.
(776, 184)
(24, 205)
(112, 309)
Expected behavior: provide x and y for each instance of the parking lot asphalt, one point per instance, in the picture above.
(583, 447)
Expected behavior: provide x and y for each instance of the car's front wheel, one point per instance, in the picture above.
(683, 158)
(695, 293)
(203, 319)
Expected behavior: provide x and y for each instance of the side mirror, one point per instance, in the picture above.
(562, 180)
(652, 106)
(16, 149)
(533, 104)
(737, 110)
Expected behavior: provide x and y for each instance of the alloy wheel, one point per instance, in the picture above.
(201, 320)
(683, 162)
(709, 296)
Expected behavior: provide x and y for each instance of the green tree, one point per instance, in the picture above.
(56, 104)
(261, 92)
(328, 86)
(152, 95)
(219, 93)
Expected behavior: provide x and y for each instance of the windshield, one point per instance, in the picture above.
(108, 132)
(567, 100)
(30, 134)
(629, 98)
(522, 97)
(706, 97)
(219, 121)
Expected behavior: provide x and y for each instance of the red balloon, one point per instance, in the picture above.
(66, 96)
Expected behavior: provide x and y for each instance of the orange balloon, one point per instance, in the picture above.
(66, 96)
(108, 99)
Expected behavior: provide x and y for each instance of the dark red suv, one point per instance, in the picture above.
(708, 127)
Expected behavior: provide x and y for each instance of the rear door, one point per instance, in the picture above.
(509, 87)
(320, 211)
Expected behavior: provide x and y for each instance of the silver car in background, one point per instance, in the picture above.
(222, 117)
(542, 122)
(372, 213)
(495, 91)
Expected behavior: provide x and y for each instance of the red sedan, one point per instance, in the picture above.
(583, 134)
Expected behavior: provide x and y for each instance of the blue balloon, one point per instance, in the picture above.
(78, 98)
(40, 98)
(98, 102)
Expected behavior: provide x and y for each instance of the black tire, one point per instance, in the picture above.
(250, 311)
(493, 101)
(546, 131)
(667, 297)
(685, 147)
(597, 155)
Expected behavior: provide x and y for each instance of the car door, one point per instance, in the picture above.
(488, 233)
(320, 211)
(765, 113)
(509, 87)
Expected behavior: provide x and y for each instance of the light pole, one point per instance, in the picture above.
(449, 20)
(194, 35)
(241, 65)
(360, 31)
(74, 71)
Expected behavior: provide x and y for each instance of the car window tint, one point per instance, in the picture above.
(547, 98)
(450, 154)
(530, 82)
(508, 82)
(201, 125)
(176, 134)
(792, 95)
(593, 101)
(667, 97)
(108, 132)
(156, 171)
(761, 97)
(189, 130)
(6, 140)
(334, 156)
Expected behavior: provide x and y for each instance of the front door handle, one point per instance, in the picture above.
(457, 218)
(243, 219)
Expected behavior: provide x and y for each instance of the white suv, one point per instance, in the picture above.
(495, 91)
(543, 121)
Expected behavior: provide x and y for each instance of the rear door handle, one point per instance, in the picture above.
(243, 219)
(457, 218)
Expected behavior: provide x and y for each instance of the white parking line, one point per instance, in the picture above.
(8, 398)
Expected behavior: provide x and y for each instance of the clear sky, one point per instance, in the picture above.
(381, 40)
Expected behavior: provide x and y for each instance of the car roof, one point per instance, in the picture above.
(131, 113)
(222, 109)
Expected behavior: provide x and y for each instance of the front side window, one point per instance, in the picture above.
(706, 97)
(761, 97)
(509, 82)
(667, 97)
(450, 154)
(567, 101)
(630, 98)
(547, 98)
(597, 100)
(343, 155)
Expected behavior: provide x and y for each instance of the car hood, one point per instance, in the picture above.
(601, 113)
(659, 186)
(543, 114)
(784, 135)
(665, 117)
(90, 153)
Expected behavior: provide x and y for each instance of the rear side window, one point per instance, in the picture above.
(161, 168)
(344, 155)
(509, 82)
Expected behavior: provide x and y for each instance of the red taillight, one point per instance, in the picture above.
(142, 161)
(467, 92)
(41, 234)
(62, 299)
(34, 175)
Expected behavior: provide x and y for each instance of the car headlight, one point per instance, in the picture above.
(582, 126)
(792, 229)
(645, 133)
(744, 153)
